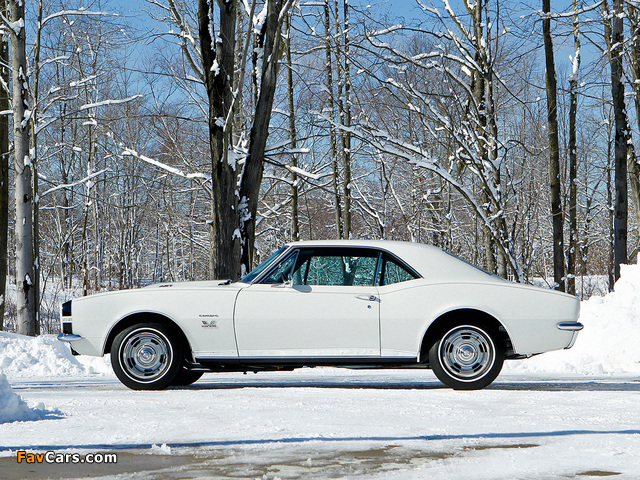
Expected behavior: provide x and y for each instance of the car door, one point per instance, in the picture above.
(318, 302)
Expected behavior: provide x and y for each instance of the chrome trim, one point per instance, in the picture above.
(570, 326)
(275, 262)
(572, 342)
(381, 251)
(69, 337)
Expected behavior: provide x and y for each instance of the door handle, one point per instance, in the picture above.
(368, 298)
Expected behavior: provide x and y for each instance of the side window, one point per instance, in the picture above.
(341, 270)
(393, 272)
(327, 266)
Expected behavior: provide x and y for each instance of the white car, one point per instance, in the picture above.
(375, 304)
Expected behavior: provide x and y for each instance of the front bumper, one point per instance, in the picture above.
(69, 337)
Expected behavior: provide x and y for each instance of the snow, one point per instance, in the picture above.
(566, 414)
(13, 408)
(43, 356)
(608, 343)
(103, 103)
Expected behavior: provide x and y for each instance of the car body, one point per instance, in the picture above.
(344, 303)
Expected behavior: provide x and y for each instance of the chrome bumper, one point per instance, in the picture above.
(574, 327)
(69, 337)
(570, 326)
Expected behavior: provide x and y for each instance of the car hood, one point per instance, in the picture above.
(167, 287)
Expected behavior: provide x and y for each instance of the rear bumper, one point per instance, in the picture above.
(574, 327)
(570, 326)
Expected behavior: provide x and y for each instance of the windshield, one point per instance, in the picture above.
(260, 268)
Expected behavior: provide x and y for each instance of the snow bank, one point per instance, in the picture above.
(22, 356)
(13, 408)
(609, 342)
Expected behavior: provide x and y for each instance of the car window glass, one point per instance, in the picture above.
(392, 272)
(341, 270)
(258, 270)
(281, 273)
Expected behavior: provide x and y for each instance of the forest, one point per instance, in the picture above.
(166, 140)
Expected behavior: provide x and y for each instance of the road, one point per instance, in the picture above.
(331, 423)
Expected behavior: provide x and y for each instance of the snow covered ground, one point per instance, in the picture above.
(568, 414)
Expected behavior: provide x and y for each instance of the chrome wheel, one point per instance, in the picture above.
(467, 353)
(146, 355)
(467, 357)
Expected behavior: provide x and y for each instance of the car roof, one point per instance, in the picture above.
(424, 259)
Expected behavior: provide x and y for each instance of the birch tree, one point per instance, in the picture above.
(4, 159)
(25, 304)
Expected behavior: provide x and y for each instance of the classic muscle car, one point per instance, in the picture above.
(375, 304)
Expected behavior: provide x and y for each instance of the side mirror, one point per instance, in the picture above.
(287, 282)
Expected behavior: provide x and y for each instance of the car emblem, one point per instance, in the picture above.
(209, 324)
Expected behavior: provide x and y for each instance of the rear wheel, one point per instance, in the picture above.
(467, 357)
(146, 356)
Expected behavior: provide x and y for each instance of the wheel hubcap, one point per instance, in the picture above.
(467, 353)
(146, 355)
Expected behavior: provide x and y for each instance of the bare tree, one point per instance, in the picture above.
(615, 36)
(573, 156)
(557, 215)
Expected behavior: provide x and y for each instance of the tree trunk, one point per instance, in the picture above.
(479, 92)
(620, 206)
(295, 229)
(4, 166)
(25, 302)
(632, 161)
(270, 43)
(554, 152)
(573, 159)
(332, 131)
(346, 121)
(218, 67)
(34, 165)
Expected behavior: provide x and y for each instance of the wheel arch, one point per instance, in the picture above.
(470, 316)
(145, 317)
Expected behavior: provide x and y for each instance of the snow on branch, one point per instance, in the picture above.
(552, 16)
(163, 166)
(385, 142)
(384, 31)
(87, 106)
(303, 173)
(80, 11)
(79, 182)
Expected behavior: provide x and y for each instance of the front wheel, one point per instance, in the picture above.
(186, 377)
(467, 357)
(146, 356)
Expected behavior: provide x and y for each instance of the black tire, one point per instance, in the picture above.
(146, 356)
(186, 377)
(467, 357)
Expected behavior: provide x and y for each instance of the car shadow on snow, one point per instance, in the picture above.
(538, 386)
(339, 384)
(572, 386)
